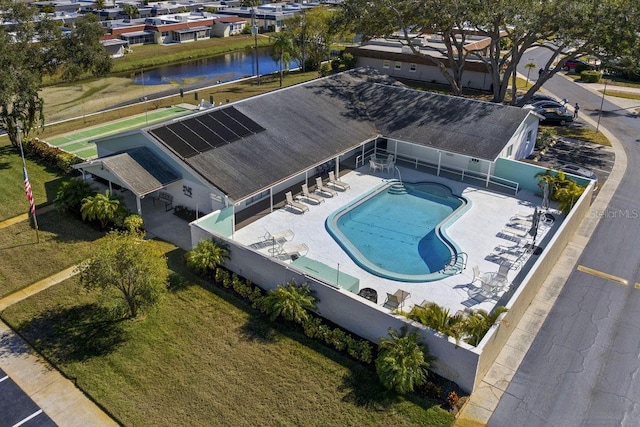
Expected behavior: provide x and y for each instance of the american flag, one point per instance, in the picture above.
(27, 190)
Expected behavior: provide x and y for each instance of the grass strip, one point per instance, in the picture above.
(204, 355)
(64, 242)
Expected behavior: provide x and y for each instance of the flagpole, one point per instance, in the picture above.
(32, 206)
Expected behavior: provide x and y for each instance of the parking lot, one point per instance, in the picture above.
(597, 158)
(17, 409)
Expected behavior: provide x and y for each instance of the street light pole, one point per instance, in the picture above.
(601, 104)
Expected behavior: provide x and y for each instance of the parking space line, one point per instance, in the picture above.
(602, 275)
(35, 414)
(4, 378)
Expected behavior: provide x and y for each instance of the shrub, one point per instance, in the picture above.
(338, 339)
(222, 276)
(348, 60)
(335, 64)
(133, 223)
(312, 327)
(325, 69)
(589, 76)
(51, 155)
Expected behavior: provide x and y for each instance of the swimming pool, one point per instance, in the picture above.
(399, 233)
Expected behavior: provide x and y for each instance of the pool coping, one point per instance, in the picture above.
(440, 230)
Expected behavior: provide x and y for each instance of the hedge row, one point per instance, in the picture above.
(314, 328)
(51, 155)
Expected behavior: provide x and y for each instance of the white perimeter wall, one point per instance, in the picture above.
(498, 335)
(371, 321)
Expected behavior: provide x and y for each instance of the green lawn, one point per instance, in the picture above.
(583, 134)
(619, 94)
(44, 182)
(206, 358)
(63, 243)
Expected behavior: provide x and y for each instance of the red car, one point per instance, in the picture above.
(572, 64)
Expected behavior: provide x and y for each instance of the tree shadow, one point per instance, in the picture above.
(362, 388)
(259, 329)
(67, 229)
(75, 334)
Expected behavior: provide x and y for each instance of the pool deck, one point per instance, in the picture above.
(477, 232)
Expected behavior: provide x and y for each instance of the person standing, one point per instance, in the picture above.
(576, 108)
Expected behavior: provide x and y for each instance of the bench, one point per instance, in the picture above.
(165, 198)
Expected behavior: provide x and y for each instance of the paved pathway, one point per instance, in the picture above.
(57, 396)
(485, 398)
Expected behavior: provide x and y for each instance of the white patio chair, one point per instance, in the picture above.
(324, 190)
(290, 203)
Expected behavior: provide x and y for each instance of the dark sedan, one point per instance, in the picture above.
(555, 115)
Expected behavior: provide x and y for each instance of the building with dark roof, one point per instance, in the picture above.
(252, 150)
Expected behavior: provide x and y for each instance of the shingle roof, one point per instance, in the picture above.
(309, 123)
(138, 169)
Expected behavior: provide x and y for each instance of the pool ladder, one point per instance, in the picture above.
(455, 264)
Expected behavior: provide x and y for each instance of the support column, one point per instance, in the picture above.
(110, 188)
(489, 174)
(439, 162)
(337, 166)
(271, 199)
(138, 205)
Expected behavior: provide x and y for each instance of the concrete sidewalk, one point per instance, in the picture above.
(484, 400)
(57, 396)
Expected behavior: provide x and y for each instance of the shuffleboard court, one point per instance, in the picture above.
(78, 142)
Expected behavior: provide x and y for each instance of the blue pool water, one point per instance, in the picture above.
(399, 236)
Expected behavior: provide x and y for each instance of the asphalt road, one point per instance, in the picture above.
(583, 368)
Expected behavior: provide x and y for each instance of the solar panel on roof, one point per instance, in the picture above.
(212, 138)
(199, 134)
(232, 124)
(174, 142)
(243, 120)
(194, 140)
(218, 128)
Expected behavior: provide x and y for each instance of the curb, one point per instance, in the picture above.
(482, 403)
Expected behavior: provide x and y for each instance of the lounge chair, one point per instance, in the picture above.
(324, 190)
(308, 196)
(395, 300)
(286, 253)
(518, 232)
(293, 204)
(280, 236)
(338, 184)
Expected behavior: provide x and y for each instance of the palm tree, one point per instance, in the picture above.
(207, 255)
(563, 189)
(479, 323)
(101, 207)
(289, 301)
(438, 319)
(282, 49)
(402, 361)
(71, 194)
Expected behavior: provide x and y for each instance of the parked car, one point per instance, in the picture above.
(577, 65)
(538, 97)
(555, 115)
(578, 170)
(544, 104)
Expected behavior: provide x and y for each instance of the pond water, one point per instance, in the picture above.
(225, 68)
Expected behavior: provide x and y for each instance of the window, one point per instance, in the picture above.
(257, 197)
(412, 68)
(510, 148)
(386, 63)
(398, 65)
